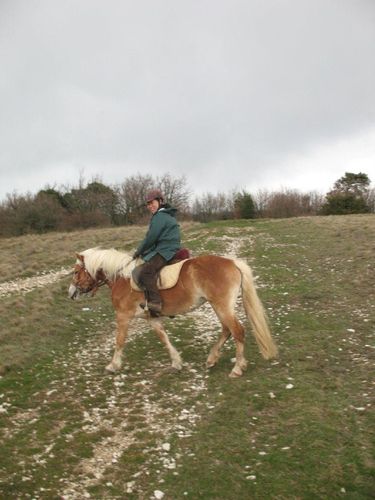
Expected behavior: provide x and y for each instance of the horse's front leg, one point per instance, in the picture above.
(121, 336)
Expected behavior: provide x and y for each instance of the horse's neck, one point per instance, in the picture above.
(117, 266)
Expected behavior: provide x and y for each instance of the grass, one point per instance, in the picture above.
(67, 429)
(31, 254)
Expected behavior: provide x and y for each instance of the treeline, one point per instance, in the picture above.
(95, 204)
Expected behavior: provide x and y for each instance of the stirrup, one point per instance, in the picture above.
(154, 314)
(154, 306)
(144, 306)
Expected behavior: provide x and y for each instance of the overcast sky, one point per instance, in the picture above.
(255, 94)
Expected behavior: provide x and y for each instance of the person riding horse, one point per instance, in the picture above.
(161, 243)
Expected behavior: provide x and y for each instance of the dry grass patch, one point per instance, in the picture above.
(31, 254)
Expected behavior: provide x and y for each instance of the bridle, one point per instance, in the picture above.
(96, 283)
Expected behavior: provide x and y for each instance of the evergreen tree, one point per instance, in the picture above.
(348, 196)
(244, 206)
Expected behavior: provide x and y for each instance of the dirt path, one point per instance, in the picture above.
(28, 284)
(131, 398)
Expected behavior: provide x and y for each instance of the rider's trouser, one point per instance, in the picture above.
(148, 275)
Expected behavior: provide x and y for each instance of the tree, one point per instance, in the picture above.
(92, 205)
(348, 196)
(131, 197)
(22, 214)
(370, 199)
(53, 194)
(356, 184)
(175, 191)
(208, 206)
(244, 206)
(287, 203)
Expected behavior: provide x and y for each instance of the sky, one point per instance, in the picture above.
(233, 94)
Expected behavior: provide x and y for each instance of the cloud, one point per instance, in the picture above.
(229, 93)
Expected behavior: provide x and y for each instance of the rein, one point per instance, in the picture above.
(100, 284)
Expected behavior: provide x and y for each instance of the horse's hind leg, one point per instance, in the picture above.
(214, 354)
(159, 329)
(238, 333)
(230, 322)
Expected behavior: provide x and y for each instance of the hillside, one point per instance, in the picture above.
(298, 427)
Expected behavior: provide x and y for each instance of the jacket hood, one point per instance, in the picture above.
(168, 209)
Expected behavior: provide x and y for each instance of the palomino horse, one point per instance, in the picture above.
(217, 280)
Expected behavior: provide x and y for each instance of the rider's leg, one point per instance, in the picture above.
(148, 280)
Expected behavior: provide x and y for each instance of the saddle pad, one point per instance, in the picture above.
(168, 276)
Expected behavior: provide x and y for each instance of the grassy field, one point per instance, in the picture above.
(300, 427)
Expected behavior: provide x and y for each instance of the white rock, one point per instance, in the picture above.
(289, 386)
(158, 494)
(166, 446)
(272, 395)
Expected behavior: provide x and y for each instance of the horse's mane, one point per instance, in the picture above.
(114, 264)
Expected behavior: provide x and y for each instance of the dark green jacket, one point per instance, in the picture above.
(163, 235)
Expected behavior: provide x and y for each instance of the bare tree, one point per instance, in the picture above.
(287, 203)
(370, 199)
(132, 194)
(210, 206)
(131, 197)
(175, 191)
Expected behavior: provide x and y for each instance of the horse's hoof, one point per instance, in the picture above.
(177, 366)
(244, 365)
(111, 368)
(235, 373)
(212, 361)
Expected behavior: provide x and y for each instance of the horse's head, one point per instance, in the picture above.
(82, 281)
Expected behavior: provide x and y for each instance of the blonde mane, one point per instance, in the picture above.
(114, 264)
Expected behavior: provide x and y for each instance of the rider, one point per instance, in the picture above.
(161, 243)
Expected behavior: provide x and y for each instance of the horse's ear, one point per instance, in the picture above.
(80, 257)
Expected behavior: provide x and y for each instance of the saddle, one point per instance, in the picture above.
(169, 274)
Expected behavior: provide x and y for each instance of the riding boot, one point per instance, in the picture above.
(154, 306)
(154, 300)
(152, 293)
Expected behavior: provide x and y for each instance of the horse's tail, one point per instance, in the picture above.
(255, 312)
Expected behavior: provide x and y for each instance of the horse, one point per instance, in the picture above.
(211, 278)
